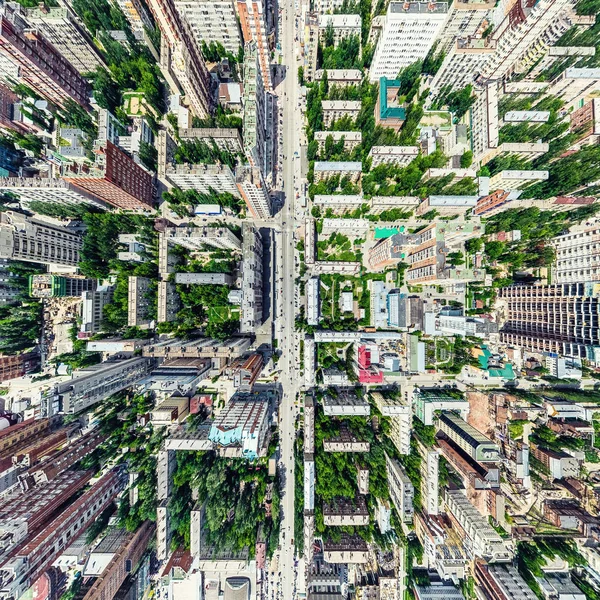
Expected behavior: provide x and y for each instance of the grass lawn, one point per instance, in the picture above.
(221, 314)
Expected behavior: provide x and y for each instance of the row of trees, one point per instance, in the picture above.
(182, 202)
(199, 152)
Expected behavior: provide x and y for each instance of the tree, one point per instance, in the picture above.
(466, 160)
(301, 75)
(149, 156)
(474, 245)
(456, 259)
(494, 250)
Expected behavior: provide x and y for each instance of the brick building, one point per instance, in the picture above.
(17, 365)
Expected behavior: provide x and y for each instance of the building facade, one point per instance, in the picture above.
(577, 256)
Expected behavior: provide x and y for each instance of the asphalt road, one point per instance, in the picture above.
(286, 293)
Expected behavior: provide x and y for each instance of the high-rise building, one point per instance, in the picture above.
(252, 278)
(31, 558)
(409, 31)
(61, 28)
(183, 57)
(577, 256)
(92, 308)
(465, 20)
(401, 489)
(137, 15)
(253, 19)
(202, 178)
(17, 365)
(58, 286)
(31, 240)
(560, 318)
(258, 122)
(253, 190)
(40, 65)
(92, 384)
(469, 439)
(212, 21)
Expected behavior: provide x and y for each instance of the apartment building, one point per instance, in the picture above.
(501, 582)
(63, 30)
(92, 384)
(138, 304)
(560, 318)
(253, 189)
(137, 16)
(32, 240)
(212, 21)
(526, 150)
(202, 178)
(525, 27)
(92, 308)
(351, 139)
(401, 489)
(17, 365)
(577, 256)
(340, 77)
(427, 402)
(328, 6)
(465, 20)
(245, 371)
(468, 439)
(430, 477)
(194, 238)
(573, 84)
(388, 111)
(254, 22)
(325, 169)
(243, 422)
(198, 348)
(464, 60)
(559, 464)
(252, 278)
(336, 109)
(484, 121)
(259, 114)
(516, 180)
(342, 512)
(32, 59)
(312, 301)
(57, 286)
(182, 60)
(347, 402)
(409, 31)
(482, 538)
(393, 155)
(342, 26)
(310, 43)
(227, 139)
(38, 552)
(585, 122)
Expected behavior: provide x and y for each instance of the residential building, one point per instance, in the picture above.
(577, 256)
(340, 77)
(327, 6)
(198, 348)
(400, 418)
(63, 30)
(194, 238)
(345, 441)
(57, 286)
(464, 60)
(526, 116)
(244, 422)
(32, 240)
(136, 14)
(212, 21)
(323, 267)
(253, 189)
(39, 64)
(92, 384)
(526, 150)
(482, 538)
(465, 20)
(536, 319)
(438, 590)
(341, 512)
(227, 139)
(573, 84)
(309, 241)
(560, 586)
(17, 365)
(325, 169)
(182, 59)
(310, 42)
(259, 115)
(337, 109)
(395, 155)
(339, 203)
(202, 178)
(450, 325)
(407, 204)
(515, 180)
(10, 283)
(426, 402)
(138, 303)
(351, 549)
(447, 205)
(388, 112)
(585, 122)
(522, 35)
(342, 26)
(245, 371)
(559, 464)
(253, 20)
(352, 139)
(469, 439)
(409, 31)
(252, 278)
(501, 582)
(347, 402)
(401, 489)
(430, 477)
(92, 308)
(312, 301)
(484, 121)
(204, 278)
(38, 552)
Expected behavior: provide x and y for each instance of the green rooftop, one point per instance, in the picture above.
(385, 111)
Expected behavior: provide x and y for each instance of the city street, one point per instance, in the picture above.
(286, 297)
